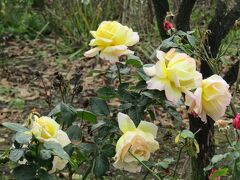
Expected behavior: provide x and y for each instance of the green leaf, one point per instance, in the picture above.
(108, 150)
(45, 154)
(101, 165)
(25, 172)
(142, 74)
(55, 111)
(68, 113)
(74, 133)
(125, 106)
(106, 93)
(23, 138)
(171, 110)
(191, 40)
(165, 163)
(187, 134)
(43, 175)
(15, 127)
(86, 148)
(220, 172)
(16, 154)
(17, 103)
(56, 149)
(99, 106)
(219, 157)
(134, 61)
(86, 116)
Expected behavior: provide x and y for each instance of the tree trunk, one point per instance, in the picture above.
(183, 16)
(219, 27)
(161, 8)
(205, 139)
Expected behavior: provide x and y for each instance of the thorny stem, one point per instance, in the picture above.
(178, 158)
(156, 176)
(48, 100)
(119, 74)
(229, 142)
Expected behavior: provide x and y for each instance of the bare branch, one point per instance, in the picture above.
(221, 24)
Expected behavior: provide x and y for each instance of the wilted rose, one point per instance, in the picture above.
(211, 99)
(167, 25)
(175, 73)
(221, 124)
(112, 39)
(139, 141)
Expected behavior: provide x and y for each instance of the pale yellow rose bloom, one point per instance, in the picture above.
(112, 39)
(211, 99)
(175, 73)
(47, 129)
(140, 141)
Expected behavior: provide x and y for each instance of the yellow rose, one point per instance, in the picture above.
(211, 99)
(47, 129)
(175, 73)
(140, 141)
(112, 39)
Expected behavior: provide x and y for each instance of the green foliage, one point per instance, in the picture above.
(106, 93)
(16, 154)
(15, 127)
(17, 103)
(56, 149)
(187, 140)
(134, 61)
(101, 165)
(18, 17)
(99, 107)
(74, 133)
(25, 172)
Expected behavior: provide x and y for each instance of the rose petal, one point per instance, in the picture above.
(172, 93)
(148, 128)
(149, 70)
(156, 83)
(63, 138)
(125, 123)
(57, 163)
(92, 52)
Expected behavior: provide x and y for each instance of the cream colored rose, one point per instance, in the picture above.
(139, 141)
(47, 129)
(175, 73)
(112, 39)
(211, 99)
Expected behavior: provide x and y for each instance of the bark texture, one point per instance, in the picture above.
(161, 8)
(205, 139)
(184, 14)
(219, 27)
